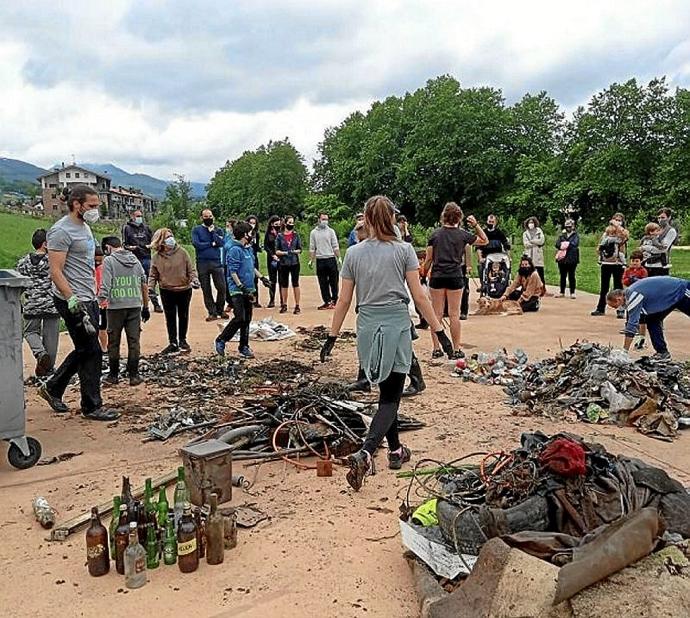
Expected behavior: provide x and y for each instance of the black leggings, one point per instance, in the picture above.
(608, 272)
(540, 272)
(567, 271)
(385, 421)
(287, 273)
(176, 308)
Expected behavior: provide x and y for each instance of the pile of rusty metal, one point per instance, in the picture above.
(595, 383)
(313, 337)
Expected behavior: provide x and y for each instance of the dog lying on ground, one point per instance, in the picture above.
(496, 306)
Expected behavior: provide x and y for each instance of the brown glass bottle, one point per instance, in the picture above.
(200, 533)
(215, 533)
(121, 540)
(140, 518)
(187, 554)
(126, 495)
(97, 555)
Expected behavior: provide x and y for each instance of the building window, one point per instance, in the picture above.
(76, 174)
(68, 175)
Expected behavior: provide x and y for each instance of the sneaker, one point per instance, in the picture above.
(110, 380)
(422, 325)
(219, 347)
(458, 354)
(157, 308)
(573, 296)
(332, 304)
(661, 357)
(560, 295)
(361, 464)
(257, 305)
(135, 380)
(55, 403)
(185, 348)
(620, 314)
(224, 315)
(297, 310)
(463, 316)
(437, 354)
(283, 308)
(246, 352)
(211, 318)
(43, 365)
(101, 414)
(270, 305)
(639, 342)
(596, 312)
(172, 348)
(324, 306)
(397, 458)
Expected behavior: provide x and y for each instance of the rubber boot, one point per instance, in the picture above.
(272, 297)
(362, 383)
(417, 384)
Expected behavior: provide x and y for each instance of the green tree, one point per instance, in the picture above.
(174, 209)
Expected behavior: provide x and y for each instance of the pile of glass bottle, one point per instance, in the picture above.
(142, 534)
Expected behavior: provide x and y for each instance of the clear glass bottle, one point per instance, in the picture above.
(181, 496)
(135, 560)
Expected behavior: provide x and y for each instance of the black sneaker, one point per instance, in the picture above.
(296, 310)
(135, 380)
(283, 309)
(361, 464)
(111, 380)
(101, 414)
(55, 403)
(458, 354)
(185, 348)
(43, 365)
(661, 357)
(437, 354)
(463, 316)
(620, 315)
(172, 348)
(324, 306)
(597, 313)
(397, 459)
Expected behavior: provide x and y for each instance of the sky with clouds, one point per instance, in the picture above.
(172, 86)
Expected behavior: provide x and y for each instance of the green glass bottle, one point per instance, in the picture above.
(170, 544)
(162, 508)
(113, 525)
(152, 560)
(149, 507)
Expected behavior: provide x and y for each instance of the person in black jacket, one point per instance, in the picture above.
(568, 256)
(272, 260)
(256, 248)
(498, 242)
(136, 237)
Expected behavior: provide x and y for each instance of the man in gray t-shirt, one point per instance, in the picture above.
(72, 252)
(76, 241)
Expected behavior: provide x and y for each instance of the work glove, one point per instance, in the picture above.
(266, 282)
(446, 344)
(196, 285)
(73, 304)
(327, 347)
(145, 314)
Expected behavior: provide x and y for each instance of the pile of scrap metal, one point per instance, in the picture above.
(319, 419)
(558, 498)
(602, 384)
(314, 337)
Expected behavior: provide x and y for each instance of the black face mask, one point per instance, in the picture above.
(208, 221)
(289, 226)
(525, 272)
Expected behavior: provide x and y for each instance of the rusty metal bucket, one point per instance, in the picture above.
(208, 469)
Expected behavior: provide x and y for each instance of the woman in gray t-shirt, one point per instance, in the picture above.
(377, 269)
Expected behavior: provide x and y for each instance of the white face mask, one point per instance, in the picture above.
(91, 216)
(170, 242)
(323, 224)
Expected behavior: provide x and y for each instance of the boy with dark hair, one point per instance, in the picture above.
(241, 272)
(124, 294)
(635, 272)
(41, 319)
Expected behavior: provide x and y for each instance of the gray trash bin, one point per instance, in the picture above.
(24, 451)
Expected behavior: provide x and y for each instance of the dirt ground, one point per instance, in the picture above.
(326, 550)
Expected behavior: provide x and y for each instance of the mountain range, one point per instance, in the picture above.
(16, 170)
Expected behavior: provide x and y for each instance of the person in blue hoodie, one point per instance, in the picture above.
(208, 241)
(655, 298)
(242, 271)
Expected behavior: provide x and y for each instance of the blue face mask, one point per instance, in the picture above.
(138, 220)
(170, 242)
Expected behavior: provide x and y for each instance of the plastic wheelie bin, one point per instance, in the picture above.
(24, 451)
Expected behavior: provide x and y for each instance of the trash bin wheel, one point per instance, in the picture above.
(20, 461)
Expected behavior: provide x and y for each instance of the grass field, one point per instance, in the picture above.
(16, 231)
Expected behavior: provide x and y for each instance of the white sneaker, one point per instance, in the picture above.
(573, 296)
(560, 295)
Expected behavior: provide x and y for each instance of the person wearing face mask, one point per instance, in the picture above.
(533, 240)
(174, 273)
(272, 260)
(526, 288)
(288, 250)
(242, 273)
(359, 224)
(324, 248)
(612, 261)
(256, 248)
(658, 264)
(136, 237)
(71, 252)
(568, 257)
(497, 243)
(208, 241)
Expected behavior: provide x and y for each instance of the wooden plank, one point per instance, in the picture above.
(61, 531)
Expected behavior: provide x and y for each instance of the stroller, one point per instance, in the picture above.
(495, 275)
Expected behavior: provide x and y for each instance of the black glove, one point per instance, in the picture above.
(243, 289)
(327, 348)
(423, 280)
(266, 282)
(145, 314)
(446, 344)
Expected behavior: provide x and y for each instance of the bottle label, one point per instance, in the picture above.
(95, 551)
(139, 565)
(186, 548)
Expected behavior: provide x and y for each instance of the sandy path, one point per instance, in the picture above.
(316, 556)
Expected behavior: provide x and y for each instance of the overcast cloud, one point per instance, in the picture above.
(170, 86)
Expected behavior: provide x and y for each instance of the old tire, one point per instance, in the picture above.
(20, 461)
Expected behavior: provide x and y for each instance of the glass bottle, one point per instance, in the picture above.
(126, 496)
(170, 544)
(97, 556)
(200, 533)
(121, 540)
(162, 507)
(149, 506)
(215, 533)
(135, 560)
(140, 519)
(152, 559)
(114, 521)
(187, 554)
(181, 495)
